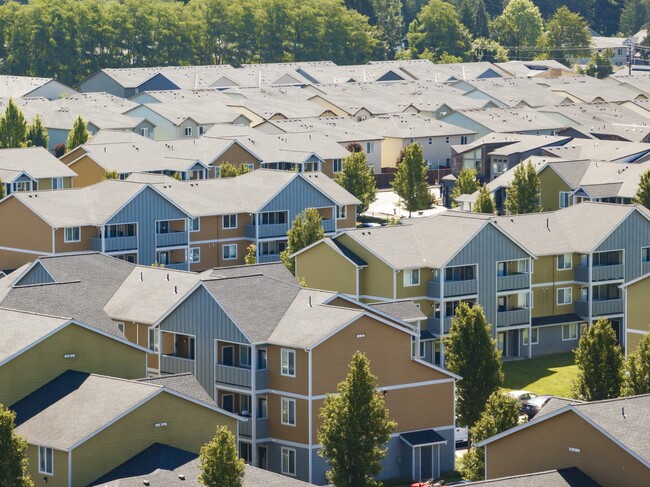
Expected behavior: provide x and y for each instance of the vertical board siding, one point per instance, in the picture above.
(36, 275)
(296, 197)
(200, 315)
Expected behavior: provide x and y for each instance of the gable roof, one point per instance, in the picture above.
(565, 477)
(185, 384)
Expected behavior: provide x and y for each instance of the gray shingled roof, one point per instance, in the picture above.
(275, 270)
(403, 309)
(566, 477)
(19, 330)
(185, 384)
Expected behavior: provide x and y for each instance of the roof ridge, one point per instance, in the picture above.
(34, 313)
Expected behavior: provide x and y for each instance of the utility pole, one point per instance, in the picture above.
(629, 59)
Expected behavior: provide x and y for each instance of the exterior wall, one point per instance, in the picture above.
(36, 275)
(210, 230)
(274, 456)
(237, 155)
(323, 268)
(550, 186)
(600, 458)
(296, 197)
(22, 230)
(637, 312)
(52, 90)
(550, 341)
(545, 270)
(278, 382)
(189, 426)
(413, 291)
(95, 353)
(145, 124)
(390, 149)
(59, 466)
(86, 233)
(199, 315)
(298, 433)
(88, 172)
(212, 255)
(99, 82)
(545, 300)
(350, 221)
(165, 130)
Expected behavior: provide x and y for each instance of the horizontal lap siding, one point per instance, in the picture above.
(324, 268)
(377, 278)
(88, 172)
(22, 230)
(60, 468)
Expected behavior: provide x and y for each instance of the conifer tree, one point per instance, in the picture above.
(37, 135)
(466, 183)
(484, 203)
(13, 453)
(643, 191)
(358, 179)
(220, 464)
(523, 193)
(13, 127)
(637, 376)
(411, 179)
(78, 135)
(306, 229)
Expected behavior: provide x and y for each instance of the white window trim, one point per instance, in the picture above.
(65, 236)
(295, 460)
(408, 272)
(562, 193)
(39, 460)
(288, 401)
(341, 212)
(536, 342)
(187, 131)
(223, 221)
(571, 338)
(337, 163)
(223, 252)
(643, 249)
(557, 262)
(192, 249)
(289, 352)
(557, 295)
(198, 221)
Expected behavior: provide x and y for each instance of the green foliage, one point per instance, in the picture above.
(37, 135)
(13, 453)
(484, 203)
(78, 135)
(484, 49)
(306, 229)
(13, 127)
(465, 184)
(564, 33)
(228, 170)
(642, 196)
(411, 179)
(220, 464)
(357, 177)
(600, 364)
(474, 16)
(471, 352)
(637, 370)
(389, 25)
(2, 190)
(518, 27)
(501, 413)
(177, 176)
(523, 192)
(251, 255)
(355, 428)
(112, 174)
(600, 64)
(438, 29)
(634, 15)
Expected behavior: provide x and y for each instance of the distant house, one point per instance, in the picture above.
(32, 169)
(32, 87)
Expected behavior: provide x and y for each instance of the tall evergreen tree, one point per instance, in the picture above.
(600, 65)
(355, 428)
(471, 353)
(37, 135)
(251, 255)
(600, 364)
(523, 192)
(13, 453)
(411, 179)
(220, 464)
(78, 135)
(13, 127)
(637, 370)
(466, 183)
(643, 191)
(306, 229)
(357, 177)
(634, 15)
(484, 203)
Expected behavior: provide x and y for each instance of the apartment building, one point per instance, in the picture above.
(31, 169)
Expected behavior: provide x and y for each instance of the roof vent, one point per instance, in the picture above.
(181, 476)
(623, 413)
(141, 276)
(175, 289)
(146, 482)
(168, 276)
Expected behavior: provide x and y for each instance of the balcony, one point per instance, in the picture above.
(262, 379)
(114, 244)
(433, 325)
(328, 225)
(452, 288)
(267, 231)
(236, 376)
(581, 308)
(170, 364)
(173, 239)
(513, 282)
(599, 273)
(513, 317)
(261, 425)
(268, 258)
(608, 307)
(246, 427)
(177, 266)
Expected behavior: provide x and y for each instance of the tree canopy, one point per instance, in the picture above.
(466, 183)
(637, 369)
(13, 127)
(523, 193)
(37, 135)
(13, 453)
(306, 229)
(355, 428)
(358, 178)
(643, 191)
(228, 170)
(565, 33)
(484, 203)
(78, 135)
(411, 179)
(220, 465)
(518, 27)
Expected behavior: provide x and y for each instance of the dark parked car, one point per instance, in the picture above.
(532, 407)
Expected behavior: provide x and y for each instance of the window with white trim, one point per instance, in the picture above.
(564, 198)
(534, 336)
(288, 461)
(370, 147)
(645, 254)
(411, 277)
(244, 356)
(153, 340)
(564, 295)
(337, 165)
(195, 224)
(202, 129)
(144, 131)
(524, 337)
(463, 139)
(288, 416)
(229, 251)
(288, 362)
(72, 234)
(45, 460)
(229, 221)
(341, 212)
(57, 183)
(564, 262)
(195, 255)
(188, 132)
(570, 332)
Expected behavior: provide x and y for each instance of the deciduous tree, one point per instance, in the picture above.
(466, 183)
(600, 364)
(634, 15)
(78, 135)
(484, 203)
(411, 179)
(471, 353)
(489, 50)
(112, 174)
(355, 428)
(13, 127)
(643, 191)
(358, 178)
(600, 65)
(13, 453)
(565, 34)
(439, 30)
(523, 192)
(220, 464)
(306, 229)
(251, 255)
(518, 27)
(637, 369)
(228, 170)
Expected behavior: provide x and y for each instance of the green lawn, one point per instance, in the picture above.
(550, 374)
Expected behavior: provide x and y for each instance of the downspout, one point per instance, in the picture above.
(53, 241)
(309, 392)
(70, 468)
(357, 283)
(257, 237)
(442, 318)
(590, 297)
(253, 417)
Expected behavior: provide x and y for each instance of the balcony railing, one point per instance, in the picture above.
(268, 258)
(114, 244)
(261, 425)
(173, 239)
(261, 379)
(178, 266)
(608, 307)
(513, 317)
(170, 364)
(513, 282)
(599, 273)
(433, 325)
(236, 376)
(268, 230)
(452, 288)
(581, 308)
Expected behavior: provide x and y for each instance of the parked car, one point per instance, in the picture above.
(461, 435)
(533, 406)
(522, 398)
(368, 225)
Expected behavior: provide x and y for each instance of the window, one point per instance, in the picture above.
(370, 147)
(120, 326)
(288, 461)
(162, 227)
(524, 337)
(153, 340)
(195, 224)
(229, 251)
(202, 129)
(564, 295)
(71, 234)
(564, 261)
(337, 165)
(45, 460)
(564, 199)
(534, 336)
(229, 221)
(570, 332)
(288, 362)
(244, 356)
(272, 248)
(144, 131)
(645, 254)
(250, 167)
(245, 405)
(195, 255)
(411, 277)
(463, 139)
(57, 183)
(288, 411)
(341, 212)
(188, 131)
